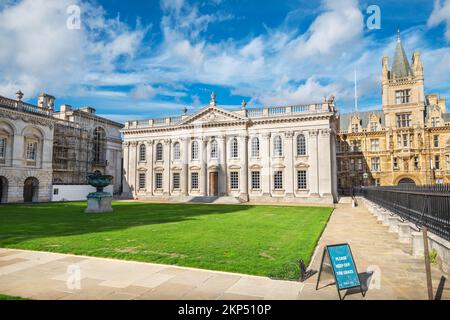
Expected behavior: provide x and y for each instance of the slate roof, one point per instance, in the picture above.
(400, 66)
(344, 119)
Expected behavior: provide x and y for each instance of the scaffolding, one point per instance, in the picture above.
(72, 153)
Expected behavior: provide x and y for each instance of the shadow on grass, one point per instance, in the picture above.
(24, 222)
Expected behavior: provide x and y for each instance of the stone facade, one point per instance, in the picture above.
(85, 142)
(39, 148)
(407, 141)
(260, 155)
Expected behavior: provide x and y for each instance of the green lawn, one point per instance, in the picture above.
(258, 240)
(4, 297)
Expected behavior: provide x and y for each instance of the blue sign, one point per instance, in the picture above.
(343, 266)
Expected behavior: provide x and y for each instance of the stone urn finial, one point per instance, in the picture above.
(19, 95)
(213, 99)
(244, 104)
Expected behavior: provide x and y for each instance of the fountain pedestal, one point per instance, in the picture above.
(99, 202)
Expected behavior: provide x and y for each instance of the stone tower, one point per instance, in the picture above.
(403, 89)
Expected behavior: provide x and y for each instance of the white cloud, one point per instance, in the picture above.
(40, 53)
(441, 14)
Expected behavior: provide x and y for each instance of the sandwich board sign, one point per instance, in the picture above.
(343, 267)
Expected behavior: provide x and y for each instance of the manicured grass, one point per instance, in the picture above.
(258, 240)
(5, 297)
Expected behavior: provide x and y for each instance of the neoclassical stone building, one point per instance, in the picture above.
(270, 155)
(406, 142)
(41, 149)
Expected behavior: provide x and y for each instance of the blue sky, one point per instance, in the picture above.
(140, 59)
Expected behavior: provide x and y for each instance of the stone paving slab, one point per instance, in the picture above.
(42, 275)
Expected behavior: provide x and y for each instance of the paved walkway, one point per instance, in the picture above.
(41, 275)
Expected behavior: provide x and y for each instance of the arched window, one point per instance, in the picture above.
(142, 152)
(214, 150)
(255, 147)
(176, 151)
(99, 146)
(234, 148)
(159, 152)
(301, 145)
(194, 150)
(278, 146)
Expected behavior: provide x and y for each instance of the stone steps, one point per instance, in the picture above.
(216, 200)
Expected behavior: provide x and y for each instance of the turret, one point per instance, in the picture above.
(46, 101)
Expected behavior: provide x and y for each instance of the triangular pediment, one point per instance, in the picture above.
(213, 114)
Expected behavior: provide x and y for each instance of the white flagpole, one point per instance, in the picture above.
(356, 94)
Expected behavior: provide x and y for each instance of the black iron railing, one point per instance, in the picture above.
(422, 205)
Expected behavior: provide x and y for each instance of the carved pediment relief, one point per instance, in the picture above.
(234, 167)
(302, 165)
(256, 167)
(196, 168)
(213, 115)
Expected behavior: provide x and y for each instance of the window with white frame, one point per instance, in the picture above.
(176, 180)
(278, 146)
(376, 164)
(255, 147)
(234, 148)
(302, 182)
(194, 180)
(176, 151)
(256, 180)
(359, 165)
(159, 180)
(437, 162)
(355, 128)
(416, 162)
(31, 151)
(436, 141)
(234, 180)
(435, 122)
(142, 153)
(301, 145)
(194, 150)
(142, 178)
(402, 96)
(278, 180)
(214, 150)
(373, 126)
(404, 120)
(395, 163)
(2, 148)
(159, 152)
(375, 145)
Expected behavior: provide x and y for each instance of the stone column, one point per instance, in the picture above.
(223, 179)
(185, 170)
(126, 169)
(314, 169)
(166, 175)
(266, 156)
(133, 164)
(203, 142)
(150, 167)
(244, 167)
(324, 151)
(289, 162)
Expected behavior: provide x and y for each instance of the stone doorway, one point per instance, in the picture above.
(31, 190)
(3, 190)
(214, 184)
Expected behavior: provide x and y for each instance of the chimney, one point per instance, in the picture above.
(65, 108)
(46, 101)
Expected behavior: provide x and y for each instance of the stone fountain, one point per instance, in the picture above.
(99, 201)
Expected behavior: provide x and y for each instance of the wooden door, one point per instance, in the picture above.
(214, 184)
